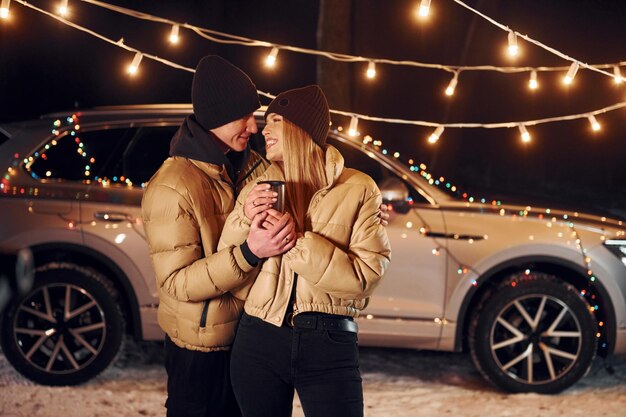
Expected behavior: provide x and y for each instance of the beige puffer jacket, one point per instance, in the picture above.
(184, 209)
(338, 263)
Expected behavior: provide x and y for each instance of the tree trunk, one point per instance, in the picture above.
(334, 34)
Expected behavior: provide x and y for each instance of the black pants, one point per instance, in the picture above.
(198, 383)
(269, 362)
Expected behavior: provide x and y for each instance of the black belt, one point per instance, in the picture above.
(316, 322)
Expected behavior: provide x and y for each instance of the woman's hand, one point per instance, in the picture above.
(259, 199)
(384, 214)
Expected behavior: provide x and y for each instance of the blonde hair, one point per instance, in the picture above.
(305, 173)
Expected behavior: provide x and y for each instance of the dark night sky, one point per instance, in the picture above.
(46, 66)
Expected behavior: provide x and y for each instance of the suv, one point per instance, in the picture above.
(534, 294)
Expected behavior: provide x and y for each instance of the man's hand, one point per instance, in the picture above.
(384, 214)
(277, 238)
(259, 199)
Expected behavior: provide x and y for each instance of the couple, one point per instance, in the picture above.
(218, 248)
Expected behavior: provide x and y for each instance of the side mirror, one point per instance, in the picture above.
(395, 193)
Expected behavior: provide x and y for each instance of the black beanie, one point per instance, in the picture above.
(305, 107)
(221, 93)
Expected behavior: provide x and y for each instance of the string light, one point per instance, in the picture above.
(4, 9)
(63, 8)
(594, 123)
(513, 48)
(354, 124)
(571, 73)
(174, 38)
(452, 86)
(371, 70)
(532, 83)
(120, 44)
(226, 38)
(270, 61)
(524, 133)
(424, 8)
(134, 66)
(617, 75)
(434, 137)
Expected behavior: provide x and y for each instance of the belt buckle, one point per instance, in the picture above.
(289, 320)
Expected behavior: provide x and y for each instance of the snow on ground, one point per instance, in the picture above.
(397, 383)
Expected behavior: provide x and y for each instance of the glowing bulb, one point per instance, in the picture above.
(63, 8)
(524, 133)
(453, 82)
(434, 137)
(424, 8)
(617, 75)
(354, 123)
(270, 61)
(174, 38)
(4, 9)
(532, 83)
(513, 48)
(132, 68)
(594, 122)
(571, 73)
(371, 70)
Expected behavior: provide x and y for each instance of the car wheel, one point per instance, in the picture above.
(535, 333)
(66, 330)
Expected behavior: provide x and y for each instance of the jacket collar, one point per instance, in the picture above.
(192, 141)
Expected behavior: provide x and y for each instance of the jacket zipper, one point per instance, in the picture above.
(205, 310)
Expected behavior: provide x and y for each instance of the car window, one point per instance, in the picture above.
(357, 159)
(81, 156)
(145, 153)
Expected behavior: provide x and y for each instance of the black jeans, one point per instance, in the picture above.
(198, 383)
(269, 362)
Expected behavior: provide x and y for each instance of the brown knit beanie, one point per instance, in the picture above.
(305, 107)
(221, 93)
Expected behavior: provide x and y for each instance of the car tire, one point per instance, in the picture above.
(535, 333)
(52, 344)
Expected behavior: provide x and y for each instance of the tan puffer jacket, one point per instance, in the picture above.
(184, 209)
(338, 263)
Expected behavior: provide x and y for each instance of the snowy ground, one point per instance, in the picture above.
(397, 383)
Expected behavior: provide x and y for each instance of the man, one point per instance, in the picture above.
(184, 209)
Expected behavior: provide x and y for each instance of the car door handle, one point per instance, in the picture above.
(111, 216)
(455, 236)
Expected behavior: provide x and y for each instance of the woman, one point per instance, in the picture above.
(297, 331)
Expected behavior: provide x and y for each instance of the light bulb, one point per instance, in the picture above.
(174, 38)
(270, 61)
(617, 75)
(571, 73)
(594, 123)
(452, 86)
(434, 137)
(371, 70)
(354, 124)
(524, 133)
(513, 48)
(532, 83)
(424, 8)
(63, 8)
(4, 9)
(132, 68)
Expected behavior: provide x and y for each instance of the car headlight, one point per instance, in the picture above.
(617, 247)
